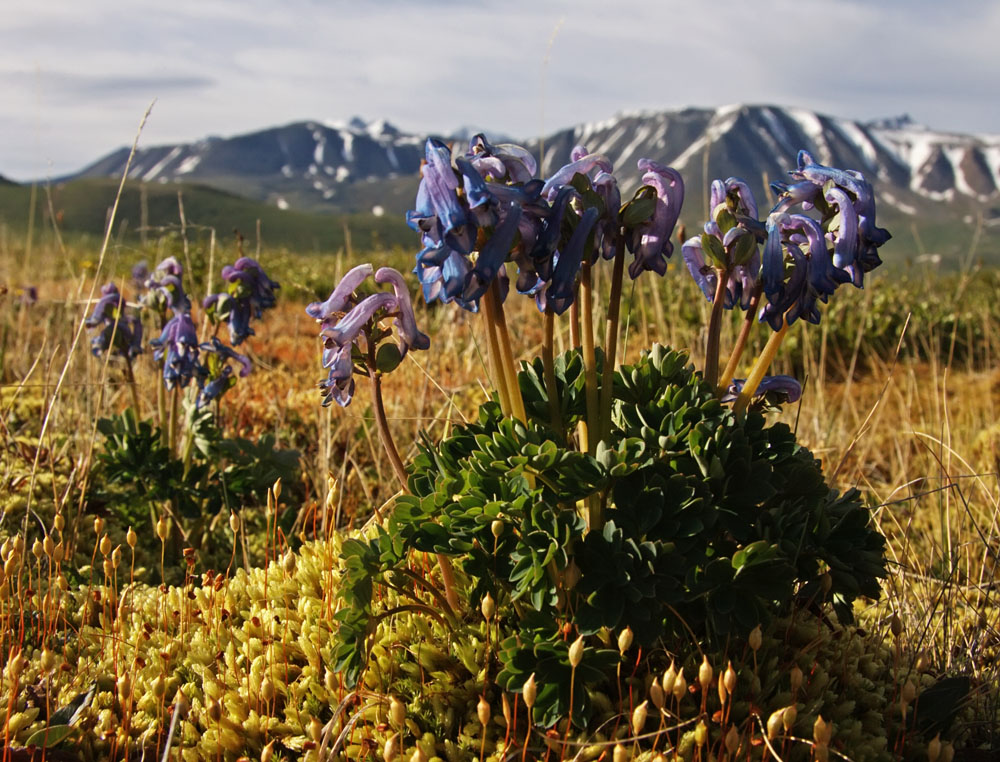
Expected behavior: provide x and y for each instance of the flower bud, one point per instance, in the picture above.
(397, 712)
(391, 749)
(639, 717)
(59, 522)
(496, 527)
(234, 523)
(669, 678)
(788, 717)
(680, 686)
(656, 695)
(754, 641)
(267, 752)
(48, 546)
(162, 528)
(98, 525)
(59, 552)
(705, 674)
(530, 691)
(701, 733)
(732, 740)
(795, 678)
(934, 748)
(483, 711)
(822, 731)
(131, 538)
(620, 753)
(36, 549)
(729, 678)
(214, 711)
(116, 556)
(488, 607)
(625, 640)
(576, 652)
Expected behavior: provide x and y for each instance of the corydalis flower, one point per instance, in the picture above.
(166, 290)
(118, 331)
(649, 241)
(215, 374)
(249, 292)
(346, 323)
(728, 245)
(177, 348)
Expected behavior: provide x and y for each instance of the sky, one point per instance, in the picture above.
(76, 76)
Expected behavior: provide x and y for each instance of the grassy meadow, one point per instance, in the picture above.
(207, 643)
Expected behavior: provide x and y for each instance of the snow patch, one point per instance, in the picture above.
(281, 203)
(342, 174)
(286, 171)
(723, 120)
(955, 154)
(161, 164)
(893, 201)
(348, 150)
(378, 210)
(854, 135)
(813, 128)
(188, 165)
(320, 139)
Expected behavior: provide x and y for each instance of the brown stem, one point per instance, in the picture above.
(715, 327)
(741, 342)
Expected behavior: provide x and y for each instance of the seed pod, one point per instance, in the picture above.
(680, 686)
(705, 673)
(15, 665)
(276, 489)
(822, 731)
(214, 711)
(98, 525)
(162, 528)
(656, 695)
(754, 641)
(729, 679)
(59, 552)
(576, 652)
(909, 692)
(488, 607)
(18, 544)
(391, 749)
(267, 752)
(48, 660)
(159, 686)
(131, 538)
(774, 724)
(315, 730)
(620, 754)
(795, 678)
(48, 546)
(826, 583)
(234, 523)
(895, 625)
(625, 640)
(6, 548)
(483, 711)
(788, 717)
(59, 522)
(109, 569)
(732, 740)
(329, 680)
(36, 549)
(821, 753)
(639, 715)
(669, 678)
(530, 691)
(947, 753)
(418, 755)
(124, 688)
(397, 712)
(934, 748)
(701, 733)
(267, 690)
(288, 564)
(496, 527)
(116, 556)
(61, 583)
(505, 706)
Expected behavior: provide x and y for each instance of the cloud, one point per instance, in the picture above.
(62, 84)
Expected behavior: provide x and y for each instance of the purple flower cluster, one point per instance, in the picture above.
(215, 373)
(839, 247)
(177, 349)
(119, 332)
(347, 322)
(249, 292)
(487, 209)
(165, 290)
(729, 244)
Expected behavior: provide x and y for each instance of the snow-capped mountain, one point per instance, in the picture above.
(347, 166)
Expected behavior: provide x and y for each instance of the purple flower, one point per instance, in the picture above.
(347, 322)
(561, 289)
(502, 162)
(28, 295)
(784, 387)
(118, 331)
(215, 374)
(177, 347)
(166, 290)
(582, 164)
(649, 241)
(249, 292)
(440, 213)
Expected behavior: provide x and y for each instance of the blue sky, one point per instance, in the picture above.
(76, 76)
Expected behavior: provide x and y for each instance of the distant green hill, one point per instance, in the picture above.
(81, 208)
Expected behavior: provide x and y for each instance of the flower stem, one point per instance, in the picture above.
(130, 380)
(593, 429)
(175, 395)
(549, 365)
(447, 573)
(715, 327)
(611, 340)
(493, 349)
(741, 343)
(759, 369)
(507, 355)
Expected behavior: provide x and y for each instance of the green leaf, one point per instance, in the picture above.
(713, 250)
(388, 358)
(637, 211)
(48, 737)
